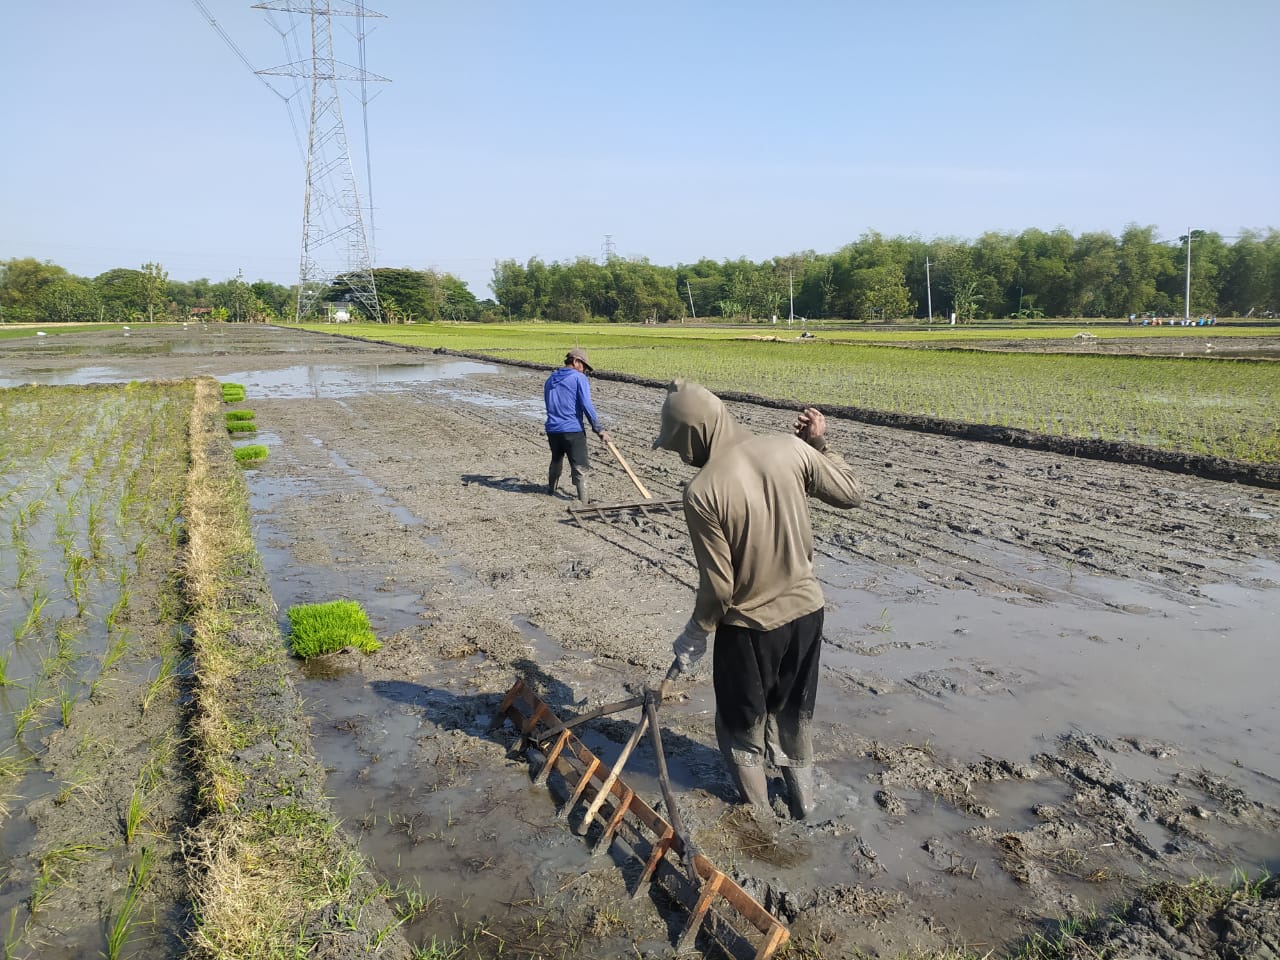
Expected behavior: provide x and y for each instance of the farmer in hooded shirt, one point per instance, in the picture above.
(568, 397)
(748, 518)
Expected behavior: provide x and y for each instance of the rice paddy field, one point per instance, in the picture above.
(1048, 681)
(91, 482)
(1201, 405)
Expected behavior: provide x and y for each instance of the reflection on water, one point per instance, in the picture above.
(314, 380)
(332, 380)
(65, 378)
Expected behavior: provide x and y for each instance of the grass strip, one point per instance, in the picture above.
(272, 876)
(319, 628)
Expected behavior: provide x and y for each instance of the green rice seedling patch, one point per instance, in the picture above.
(233, 415)
(319, 628)
(251, 453)
(232, 392)
(241, 426)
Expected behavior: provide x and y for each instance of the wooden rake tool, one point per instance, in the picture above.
(630, 473)
(712, 898)
(645, 508)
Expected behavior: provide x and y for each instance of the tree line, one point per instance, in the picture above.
(1028, 275)
(35, 291)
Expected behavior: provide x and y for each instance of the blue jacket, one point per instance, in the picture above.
(568, 397)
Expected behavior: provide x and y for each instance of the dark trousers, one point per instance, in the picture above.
(571, 445)
(766, 684)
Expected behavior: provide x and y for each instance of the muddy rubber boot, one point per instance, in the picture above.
(553, 480)
(753, 786)
(582, 490)
(800, 793)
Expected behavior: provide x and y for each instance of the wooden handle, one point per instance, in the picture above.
(627, 467)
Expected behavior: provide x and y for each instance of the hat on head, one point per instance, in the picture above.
(577, 353)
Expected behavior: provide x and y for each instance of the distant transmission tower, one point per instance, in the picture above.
(606, 248)
(334, 242)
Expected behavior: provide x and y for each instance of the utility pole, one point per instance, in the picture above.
(928, 288)
(1187, 305)
(334, 241)
(689, 291)
(791, 295)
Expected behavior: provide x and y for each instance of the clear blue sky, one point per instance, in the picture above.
(682, 129)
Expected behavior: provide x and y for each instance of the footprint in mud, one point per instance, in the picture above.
(767, 841)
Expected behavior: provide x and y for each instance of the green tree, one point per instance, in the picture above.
(70, 300)
(123, 293)
(23, 285)
(1094, 267)
(155, 280)
(1141, 264)
(884, 294)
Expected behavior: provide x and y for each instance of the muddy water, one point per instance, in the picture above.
(909, 662)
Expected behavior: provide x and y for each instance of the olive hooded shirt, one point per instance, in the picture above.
(748, 512)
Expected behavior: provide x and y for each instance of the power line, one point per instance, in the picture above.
(236, 50)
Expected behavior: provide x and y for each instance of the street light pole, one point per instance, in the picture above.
(1187, 304)
(928, 289)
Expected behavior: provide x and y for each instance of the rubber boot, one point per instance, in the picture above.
(800, 792)
(581, 484)
(553, 479)
(753, 786)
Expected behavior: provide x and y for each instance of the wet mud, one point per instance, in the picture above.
(1047, 680)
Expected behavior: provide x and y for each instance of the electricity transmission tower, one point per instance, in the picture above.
(334, 242)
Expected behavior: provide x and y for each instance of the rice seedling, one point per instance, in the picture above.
(64, 635)
(14, 763)
(232, 392)
(5, 679)
(135, 814)
(251, 453)
(29, 713)
(12, 938)
(118, 610)
(28, 565)
(115, 653)
(158, 684)
(121, 929)
(56, 868)
(34, 618)
(163, 752)
(66, 702)
(318, 628)
(241, 426)
(234, 415)
(76, 575)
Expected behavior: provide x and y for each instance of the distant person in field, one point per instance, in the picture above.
(748, 515)
(568, 398)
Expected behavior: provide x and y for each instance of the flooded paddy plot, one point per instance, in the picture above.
(92, 795)
(1045, 680)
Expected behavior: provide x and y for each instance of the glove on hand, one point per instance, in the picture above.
(690, 646)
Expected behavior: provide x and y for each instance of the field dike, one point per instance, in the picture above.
(270, 872)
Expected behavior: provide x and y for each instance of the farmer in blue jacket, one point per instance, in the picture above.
(568, 397)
